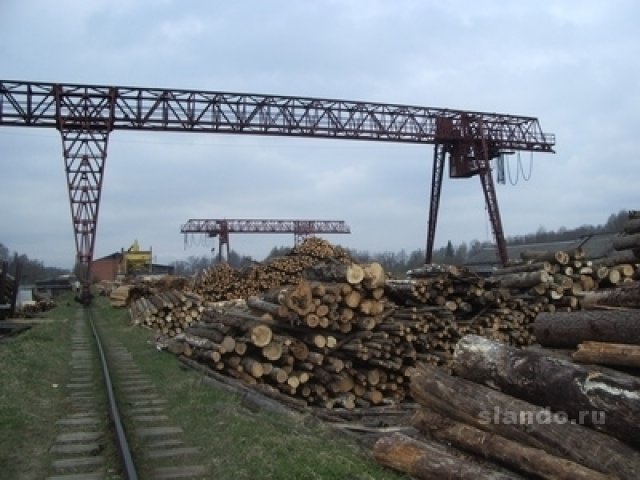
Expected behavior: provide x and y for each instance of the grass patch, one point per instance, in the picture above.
(32, 363)
(238, 443)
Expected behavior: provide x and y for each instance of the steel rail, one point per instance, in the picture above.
(121, 437)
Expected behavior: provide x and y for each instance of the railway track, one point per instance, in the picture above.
(116, 426)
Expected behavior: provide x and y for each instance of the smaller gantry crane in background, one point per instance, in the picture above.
(221, 228)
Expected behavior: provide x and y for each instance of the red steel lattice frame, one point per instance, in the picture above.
(221, 228)
(85, 114)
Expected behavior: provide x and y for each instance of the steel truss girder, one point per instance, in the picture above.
(33, 104)
(222, 227)
(214, 227)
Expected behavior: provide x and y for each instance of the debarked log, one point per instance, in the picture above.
(428, 460)
(603, 353)
(534, 461)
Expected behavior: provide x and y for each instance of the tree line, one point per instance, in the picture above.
(31, 270)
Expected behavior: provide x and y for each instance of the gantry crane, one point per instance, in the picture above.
(221, 228)
(85, 116)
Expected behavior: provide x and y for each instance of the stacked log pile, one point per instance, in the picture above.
(535, 414)
(32, 309)
(628, 243)
(559, 280)
(331, 339)
(355, 321)
(607, 332)
(463, 303)
(168, 312)
(222, 282)
(362, 331)
(124, 294)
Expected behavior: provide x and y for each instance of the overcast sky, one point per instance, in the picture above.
(572, 64)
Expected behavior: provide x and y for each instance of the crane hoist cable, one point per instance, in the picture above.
(519, 170)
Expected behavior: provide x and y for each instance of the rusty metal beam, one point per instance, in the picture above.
(158, 109)
(221, 228)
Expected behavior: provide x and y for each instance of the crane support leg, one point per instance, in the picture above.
(84, 122)
(494, 214)
(84, 157)
(439, 153)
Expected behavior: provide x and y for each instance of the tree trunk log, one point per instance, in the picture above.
(515, 455)
(259, 333)
(568, 329)
(627, 295)
(632, 226)
(373, 276)
(627, 256)
(545, 256)
(607, 402)
(299, 299)
(618, 354)
(525, 267)
(279, 311)
(523, 280)
(428, 460)
(336, 272)
(624, 242)
(520, 421)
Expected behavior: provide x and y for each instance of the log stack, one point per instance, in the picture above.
(353, 320)
(169, 312)
(463, 303)
(535, 414)
(222, 282)
(607, 332)
(331, 340)
(561, 279)
(629, 239)
(360, 330)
